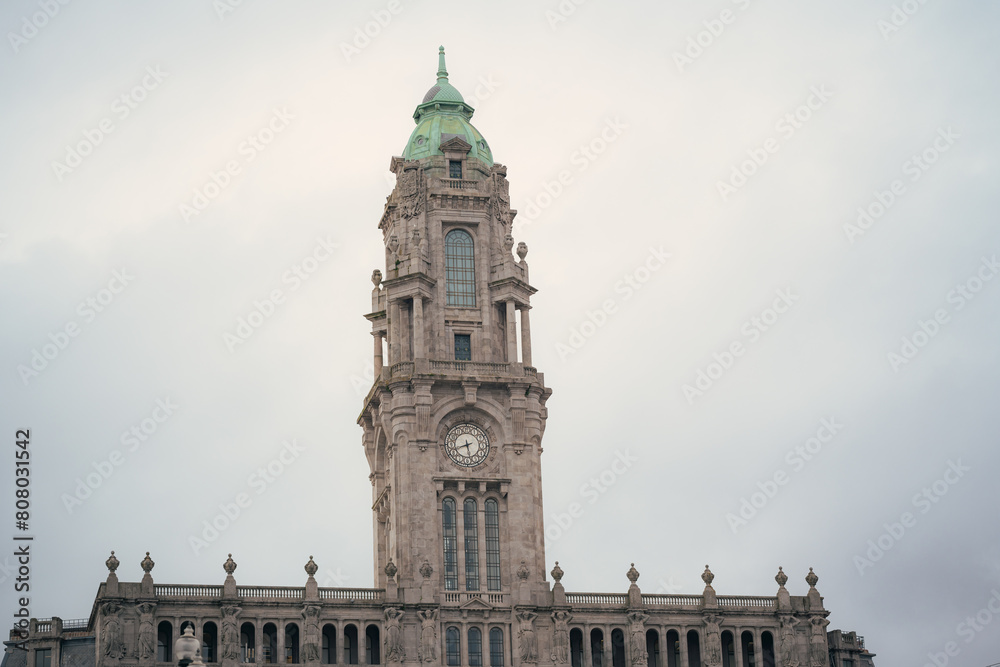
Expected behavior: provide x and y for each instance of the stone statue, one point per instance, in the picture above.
(818, 649)
(560, 636)
(787, 641)
(526, 635)
(393, 636)
(114, 643)
(428, 635)
(637, 637)
(311, 647)
(713, 640)
(147, 635)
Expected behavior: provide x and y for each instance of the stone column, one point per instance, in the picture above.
(511, 334)
(738, 646)
(395, 350)
(418, 327)
(378, 354)
(525, 336)
(587, 659)
(683, 639)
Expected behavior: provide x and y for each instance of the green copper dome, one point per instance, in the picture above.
(442, 115)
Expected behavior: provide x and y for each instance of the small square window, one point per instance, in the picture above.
(463, 347)
(455, 169)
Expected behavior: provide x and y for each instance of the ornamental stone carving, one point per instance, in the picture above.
(230, 631)
(112, 640)
(817, 641)
(147, 635)
(560, 635)
(637, 636)
(229, 566)
(310, 616)
(147, 564)
(713, 640)
(112, 563)
(526, 637)
(557, 573)
(394, 651)
(786, 634)
(428, 634)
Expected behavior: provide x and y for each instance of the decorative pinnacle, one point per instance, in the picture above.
(311, 567)
(811, 578)
(707, 576)
(390, 569)
(147, 564)
(557, 573)
(229, 566)
(112, 563)
(781, 577)
(442, 70)
(632, 574)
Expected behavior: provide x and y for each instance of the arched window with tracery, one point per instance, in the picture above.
(449, 533)
(469, 512)
(452, 647)
(460, 268)
(492, 545)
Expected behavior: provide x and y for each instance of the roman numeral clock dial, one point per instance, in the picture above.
(467, 445)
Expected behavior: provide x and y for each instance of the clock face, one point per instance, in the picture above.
(467, 445)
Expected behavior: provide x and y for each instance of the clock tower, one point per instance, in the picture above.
(454, 421)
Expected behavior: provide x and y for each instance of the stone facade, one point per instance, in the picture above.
(452, 431)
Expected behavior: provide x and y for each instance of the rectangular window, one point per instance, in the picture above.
(455, 169)
(492, 545)
(43, 657)
(449, 531)
(469, 511)
(463, 347)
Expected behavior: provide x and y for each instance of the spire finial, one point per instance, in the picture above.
(442, 70)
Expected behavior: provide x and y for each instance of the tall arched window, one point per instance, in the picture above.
(767, 649)
(449, 532)
(452, 647)
(652, 648)
(673, 649)
(292, 643)
(617, 648)
(694, 649)
(576, 647)
(209, 642)
(460, 268)
(248, 642)
(475, 647)
(164, 641)
(728, 649)
(749, 654)
(372, 645)
(492, 545)
(469, 512)
(270, 644)
(329, 655)
(597, 647)
(496, 647)
(350, 644)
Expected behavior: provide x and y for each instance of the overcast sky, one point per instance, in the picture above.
(740, 138)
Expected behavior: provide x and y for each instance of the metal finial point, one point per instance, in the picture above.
(442, 73)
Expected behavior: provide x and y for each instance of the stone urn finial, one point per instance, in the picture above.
(522, 572)
(812, 578)
(311, 567)
(632, 574)
(426, 570)
(187, 647)
(781, 577)
(376, 277)
(557, 573)
(390, 569)
(229, 566)
(707, 576)
(393, 243)
(147, 564)
(522, 250)
(112, 563)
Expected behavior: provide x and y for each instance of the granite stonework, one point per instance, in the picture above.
(455, 586)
